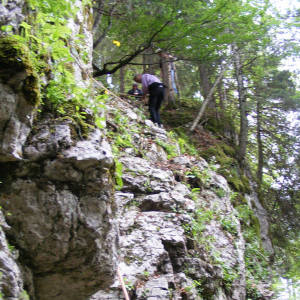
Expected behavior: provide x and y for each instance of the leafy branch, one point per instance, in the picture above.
(128, 58)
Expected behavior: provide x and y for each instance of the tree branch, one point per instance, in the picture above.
(109, 24)
(127, 58)
(98, 16)
(202, 109)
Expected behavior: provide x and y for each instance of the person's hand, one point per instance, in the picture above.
(144, 99)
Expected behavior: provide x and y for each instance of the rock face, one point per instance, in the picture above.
(11, 13)
(169, 239)
(16, 112)
(170, 229)
(56, 189)
(160, 257)
(11, 283)
(62, 212)
(15, 123)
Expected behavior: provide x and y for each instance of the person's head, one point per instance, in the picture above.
(138, 78)
(134, 86)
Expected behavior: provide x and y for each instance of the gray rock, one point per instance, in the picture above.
(154, 289)
(11, 283)
(49, 140)
(94, 150)
(262, 216)
(15, 123)
(169, 202)
(139, 175)
(11, 13)
(65, 237)
(60, 194)
(112, 295)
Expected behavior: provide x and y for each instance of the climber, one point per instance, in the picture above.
(135, 91)
(152, 85)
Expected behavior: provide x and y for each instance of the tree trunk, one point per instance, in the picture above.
(205, 85)
(166, 70)
(148, 61)
(204, 80)
(243, 135)
(207, 99)
(222, 99)
(122, 83)
(259, 172)
(176, 81)
(97, 16)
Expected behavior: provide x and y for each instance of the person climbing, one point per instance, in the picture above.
(135, 91)
(156, 89)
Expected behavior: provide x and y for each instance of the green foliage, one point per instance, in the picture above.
(219, 192)
(128, 284)
(180, 117)
(229, 276)
(197, 284)
(256, 262)
(198, 178)
(121, 136)
(186, 147)
(45, 45)
(123, 141)
(16, 57)
(49, 37)
(118, 174)
(169, 148)
(146, 275)
(200, 32)
(185, 143)
(293, 260)
(194, 193)
(196, 29)
(256, 259)
(6, 28)
(24, 296)
(225, 156)
(229, 224)
(199, 221)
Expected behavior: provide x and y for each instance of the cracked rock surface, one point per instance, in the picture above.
(62, 214)
(158, 256)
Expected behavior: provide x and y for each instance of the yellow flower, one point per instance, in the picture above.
(106, 92)
(117, 43)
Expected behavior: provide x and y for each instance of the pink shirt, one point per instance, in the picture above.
(148, 79)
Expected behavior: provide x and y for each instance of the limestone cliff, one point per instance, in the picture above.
(77, 207)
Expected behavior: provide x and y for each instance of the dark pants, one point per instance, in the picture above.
(156, 96)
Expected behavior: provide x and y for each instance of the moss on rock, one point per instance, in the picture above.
(229, 167)
(15, 58)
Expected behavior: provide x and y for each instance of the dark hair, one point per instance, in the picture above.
(136, 77)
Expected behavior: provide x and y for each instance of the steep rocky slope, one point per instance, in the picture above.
(179, 235)
(76, 208)
(172, 245)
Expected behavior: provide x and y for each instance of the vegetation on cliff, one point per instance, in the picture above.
(246, 131)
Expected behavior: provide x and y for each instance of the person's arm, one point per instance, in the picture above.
(144, 89)
(144, 85)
